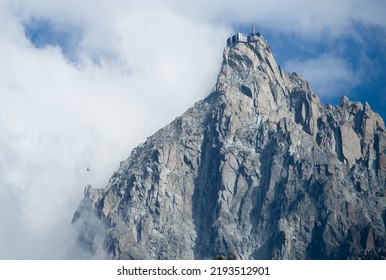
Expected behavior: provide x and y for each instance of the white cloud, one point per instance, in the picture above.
(329, 76)
(57, 117)
(303, 17)
(154, 60)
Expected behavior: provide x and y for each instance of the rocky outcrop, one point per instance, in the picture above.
(260, 169)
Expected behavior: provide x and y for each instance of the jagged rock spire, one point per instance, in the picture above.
(260, 169)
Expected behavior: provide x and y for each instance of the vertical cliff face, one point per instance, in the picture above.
(260, 169)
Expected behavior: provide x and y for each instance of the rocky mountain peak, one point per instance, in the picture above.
(250, 69)
(251, 60)
(260, 169)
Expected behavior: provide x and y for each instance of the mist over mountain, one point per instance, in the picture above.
(259, 169)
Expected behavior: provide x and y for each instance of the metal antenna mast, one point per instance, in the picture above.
(253, 27)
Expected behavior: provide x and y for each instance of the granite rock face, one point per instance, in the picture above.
(260, 169)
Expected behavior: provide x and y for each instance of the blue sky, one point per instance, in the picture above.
(82, 82)
(363, 52)
(43, 33)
